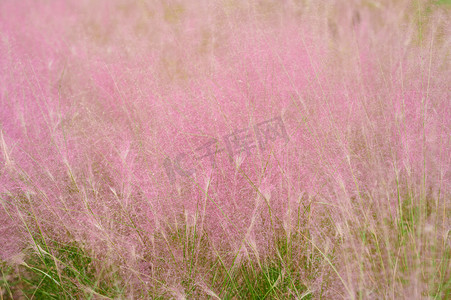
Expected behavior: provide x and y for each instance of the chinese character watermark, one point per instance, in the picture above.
(239, 141)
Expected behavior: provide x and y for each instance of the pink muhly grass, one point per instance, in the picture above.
(100, 99)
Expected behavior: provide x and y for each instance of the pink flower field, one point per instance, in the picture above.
(225, 149)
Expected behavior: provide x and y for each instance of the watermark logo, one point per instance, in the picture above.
(239, 141)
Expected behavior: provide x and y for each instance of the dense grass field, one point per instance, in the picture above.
(225, 149)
